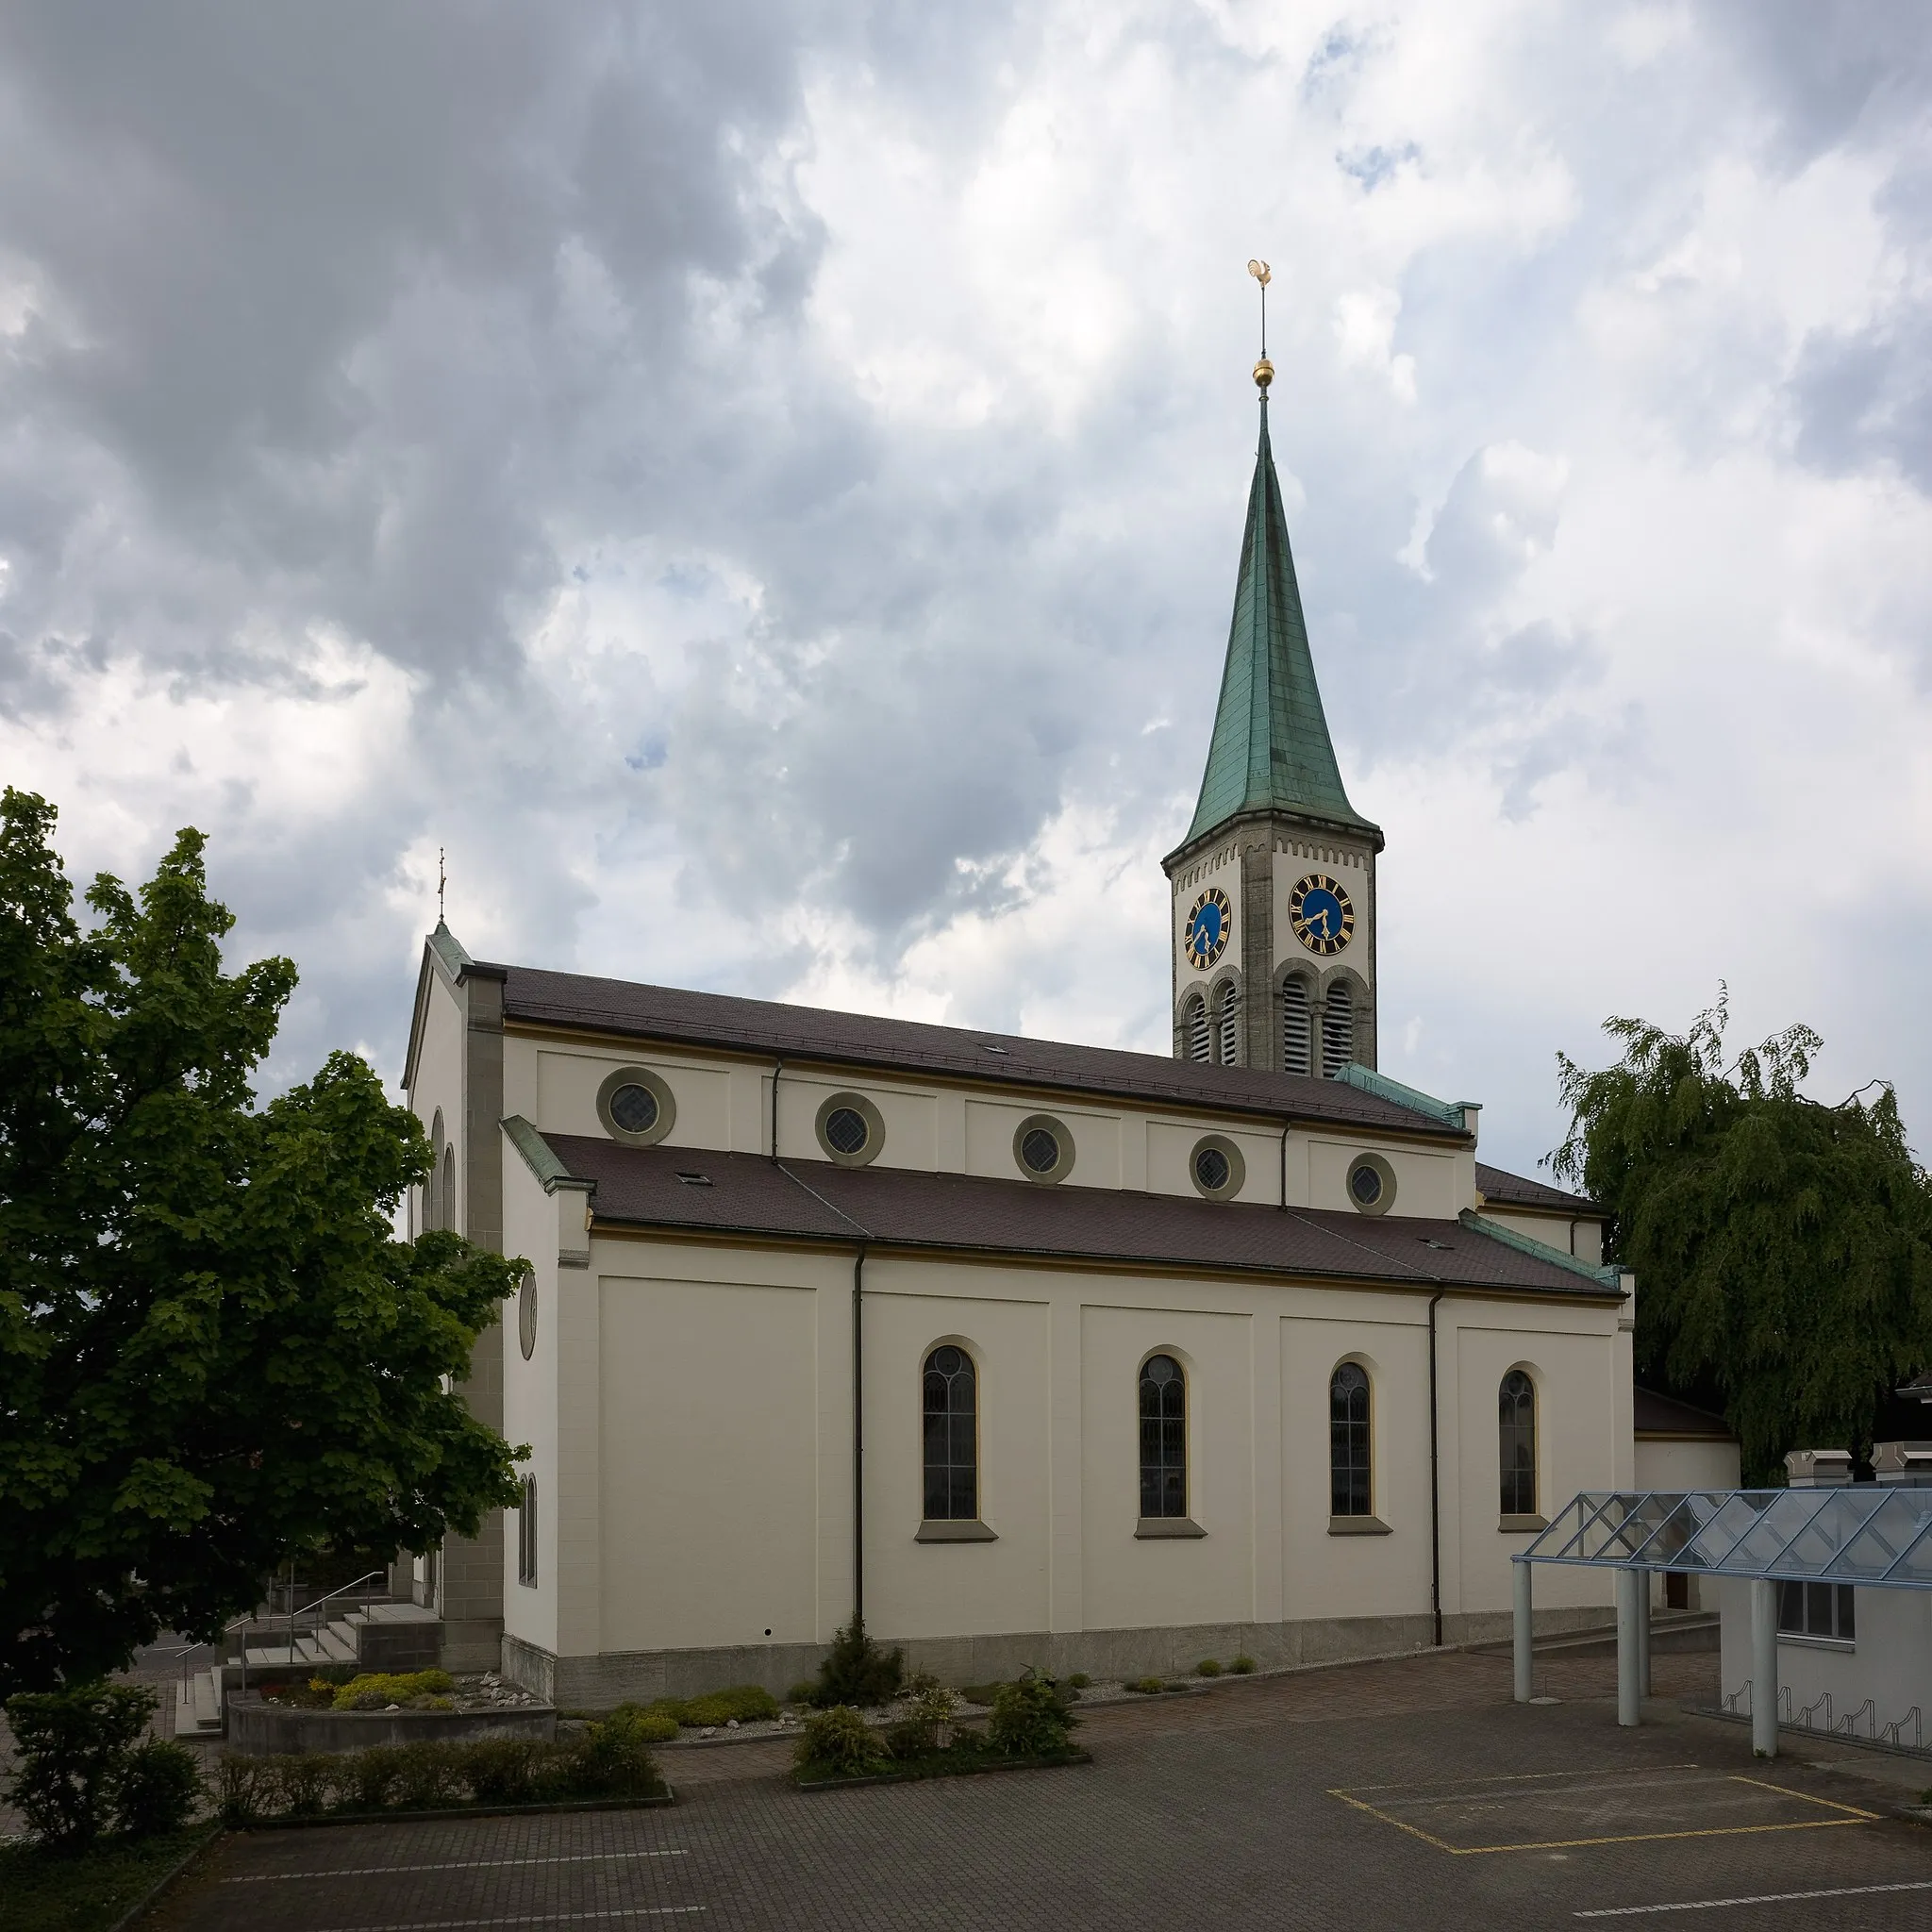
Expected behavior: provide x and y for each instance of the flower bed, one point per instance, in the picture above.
(608, 1763)
(969, 1754)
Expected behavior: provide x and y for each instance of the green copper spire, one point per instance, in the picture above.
(1270, 751)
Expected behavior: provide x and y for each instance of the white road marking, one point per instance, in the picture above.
(1762, 1898)
(528, 1918)
(458, 1865)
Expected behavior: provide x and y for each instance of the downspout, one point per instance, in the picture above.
(1435, 1485)
(1286, 1126)
(858, 1439)
(778, 1069)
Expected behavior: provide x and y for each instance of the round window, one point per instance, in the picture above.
(846, 1129)
(1216, 1167)
(526, 1316)
(1371, 1184)
(636, 1106)
(1211, 1169)
(851, 1130)
(1040, 1150)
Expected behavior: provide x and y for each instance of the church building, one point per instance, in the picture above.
(1031, 1352)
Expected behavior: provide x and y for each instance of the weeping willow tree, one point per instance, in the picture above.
(1783, 1248)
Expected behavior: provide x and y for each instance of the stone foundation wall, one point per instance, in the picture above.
(598, 1683)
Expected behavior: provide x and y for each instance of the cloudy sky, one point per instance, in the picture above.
(761, 483)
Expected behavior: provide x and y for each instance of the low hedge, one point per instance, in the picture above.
(610, 1760)
(742, 1704)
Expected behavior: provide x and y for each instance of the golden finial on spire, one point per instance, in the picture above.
(1264, 370)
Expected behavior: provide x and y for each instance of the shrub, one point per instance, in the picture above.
(909, 1739)
(1242, 1666)
(1079, 1680)
(804, 1692)
(655, 1726)
(1029, 1719)
(856, 1671)
(159, 1789)
(74, 1745)
(504, 1770)
(1147, 1686)
(1207, 1667)
(838, 1741)
(613, 1758)
(307, 1782)
(369, 1780)
(745, 1703)
(413, 1689)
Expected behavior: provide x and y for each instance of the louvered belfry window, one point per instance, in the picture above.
(1227, 1026)
(1194, 1028)
(1296, 1030)
(1338, 1029)
(952, 1437)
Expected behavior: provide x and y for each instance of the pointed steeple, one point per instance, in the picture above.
(1271, 750)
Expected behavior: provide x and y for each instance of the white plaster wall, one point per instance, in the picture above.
(1349, 869)
(439, 1083)
(1171, 1153)
(530, 1403)
(1663, 1465)
(567, 1087)
(1891, 1662)
(1329, 1576)
(911, 1119)
(710, 1406)
(958, 1588)
(1131, 1583)
(1222, 869)
(991, 1123)
(1426, 1183)
(1575, 1376)
(1583, 1239)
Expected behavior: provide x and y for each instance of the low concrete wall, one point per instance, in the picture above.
(414, 1643)
(264, 1730)
(598, 1683)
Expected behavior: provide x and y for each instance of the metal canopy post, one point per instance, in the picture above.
(1643, 1632)
(1763, 1667)
(1630, 1682)
(1523, 1652)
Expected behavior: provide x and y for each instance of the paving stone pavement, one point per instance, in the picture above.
(1213, 1812)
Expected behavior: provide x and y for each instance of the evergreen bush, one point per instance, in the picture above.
(1207, 1667)
(1242, 1666)
(856, 1672)
(159, 1789)
(1030, 1718)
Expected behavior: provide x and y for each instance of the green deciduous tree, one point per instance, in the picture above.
(1782, 1249)
(214, 1354)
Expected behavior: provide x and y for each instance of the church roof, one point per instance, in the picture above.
(1271, 750)
(1505, 1189)
(774, 1029)
(1665, 1417)
(681, 1189)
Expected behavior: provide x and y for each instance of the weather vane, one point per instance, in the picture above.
(441, 881)
(1264, 370)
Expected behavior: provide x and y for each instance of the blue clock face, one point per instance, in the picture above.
(1208, 926)
(1320, 913)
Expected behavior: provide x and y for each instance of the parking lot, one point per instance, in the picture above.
(1394, 1795)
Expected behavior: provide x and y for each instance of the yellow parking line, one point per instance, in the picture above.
(1855, 1816)
(1521, 1777)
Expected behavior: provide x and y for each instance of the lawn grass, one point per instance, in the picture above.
(86, 1891)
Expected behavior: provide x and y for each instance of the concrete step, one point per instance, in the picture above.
(336, 1644)
(198, 1710)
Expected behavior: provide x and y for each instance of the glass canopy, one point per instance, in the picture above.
(1873, 1535)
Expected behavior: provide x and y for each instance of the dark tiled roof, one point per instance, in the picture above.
(1518, 1191)
(812, 1033)
(748, 1194)
(1919, 1386)
(1664, 1415)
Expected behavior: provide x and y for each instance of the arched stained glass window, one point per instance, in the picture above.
(1163, 1438)
(1338, 1029)
(432, 1188)
(449, 1189)
(951, 1403)
(1228, 1017)
(527, 1533)
(1516, 1431)
(1348, 1441)
(1194, 1028)
(1297, 1031)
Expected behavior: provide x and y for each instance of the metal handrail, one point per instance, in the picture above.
(242, 1622)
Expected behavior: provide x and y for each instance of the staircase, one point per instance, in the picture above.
(371, 1637)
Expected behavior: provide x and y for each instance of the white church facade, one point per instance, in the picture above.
(1032, 1352)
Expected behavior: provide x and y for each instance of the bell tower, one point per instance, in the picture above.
(1273, 943)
